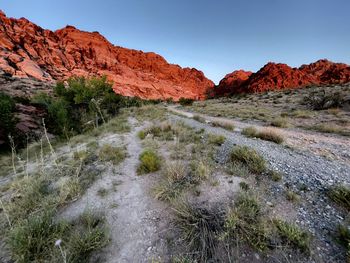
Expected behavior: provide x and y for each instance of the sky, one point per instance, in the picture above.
(215, 36)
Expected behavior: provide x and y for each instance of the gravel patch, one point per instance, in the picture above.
(307, 174)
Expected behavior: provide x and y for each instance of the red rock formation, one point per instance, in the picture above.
(27, 50)
(280, 76)
(233, 82)
(327, 72)
(277, 76)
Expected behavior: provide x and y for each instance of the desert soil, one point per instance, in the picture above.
(140, 225)
(305, 171)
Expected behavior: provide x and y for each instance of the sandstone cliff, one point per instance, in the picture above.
(27, 50)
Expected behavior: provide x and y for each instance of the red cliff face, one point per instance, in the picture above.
(233, 82)
(27, 50)
(280, 76)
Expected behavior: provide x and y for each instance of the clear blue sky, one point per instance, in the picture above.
(215, 36)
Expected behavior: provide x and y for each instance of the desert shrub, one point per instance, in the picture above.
(224, 125)
(198, 118)
(177, 177)
(149, 162)
(270, 135)
(250, 158)
(168, 131)
(216, 139)
(7, 118)
(33, 240)
(186, 101)
(250, 131)
(344, 236)
(175, 180)
(341, 195)
(84, 103)
(264, 134)
(201, 170)
(169, 101)
(292, 196)
(237, 169)
(324, 100)
(88, 233)
(199, 229)
(243, 222)
(35, 195)
(304, 114)
(327, 128)
(244, 186)
(141, 135)
(58, 113)
(275, 175)
(280, 122)
(292, 235)
(7, 107)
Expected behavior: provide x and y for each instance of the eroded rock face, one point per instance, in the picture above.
(277, 76)
(28, 117)
(27, 50)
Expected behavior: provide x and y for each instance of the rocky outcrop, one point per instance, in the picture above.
(233, 81)
(28, 117)
(277, 76)
(27, 50)
(327, 72)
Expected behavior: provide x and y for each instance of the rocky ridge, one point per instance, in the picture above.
(278, 76)
(29, 51)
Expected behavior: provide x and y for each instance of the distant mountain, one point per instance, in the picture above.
(27, 50)
(277, 76)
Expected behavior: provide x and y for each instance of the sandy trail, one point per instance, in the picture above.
(136, 220)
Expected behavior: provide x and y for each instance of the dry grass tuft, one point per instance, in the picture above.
(340, 194)
(266, 134)
(249, 157)
(112, 154)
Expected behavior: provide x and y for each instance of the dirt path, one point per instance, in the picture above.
(136, 220)
(304, 172)
(330, 146)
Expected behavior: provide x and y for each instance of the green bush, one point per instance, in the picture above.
(186, 101)
(7, 107)
(82, 104)
(324, 100)
(141, 135)
(149, 162)
(7, 118)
